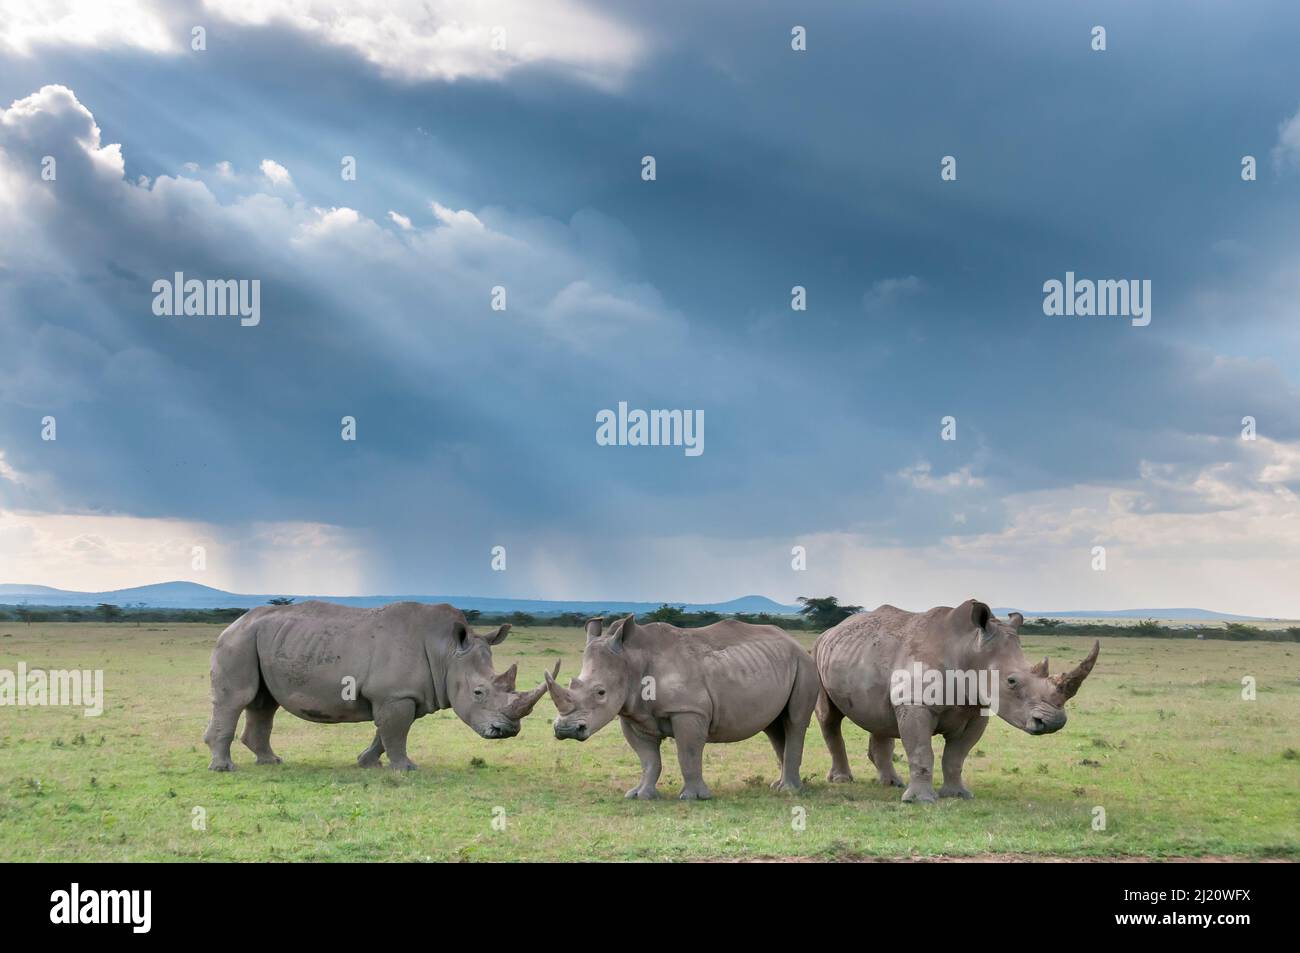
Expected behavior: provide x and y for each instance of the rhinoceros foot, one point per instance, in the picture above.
(919, 795)
(893, 781)
(839, 777)
(960, 791)
(789, 786)
(367, 760)
(402, 764)
(695, 792)
(269, 759)
(221, 765)
(642, 794)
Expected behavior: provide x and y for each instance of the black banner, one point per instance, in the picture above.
(1216, 902)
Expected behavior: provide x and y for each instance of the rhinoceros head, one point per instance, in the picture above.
(481, 698)
(1029, 697)
(593, 698)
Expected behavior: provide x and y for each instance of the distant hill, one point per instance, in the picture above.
(192, 595)
(1181, 615)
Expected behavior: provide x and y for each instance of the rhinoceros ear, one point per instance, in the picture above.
(497, 637)
(619, 632)
(463, 636)
(980, 615)
(593, 628)
(1016, 619)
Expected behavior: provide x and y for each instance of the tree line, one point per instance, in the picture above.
(816, 614)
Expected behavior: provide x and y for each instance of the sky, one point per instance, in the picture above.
(500, 144)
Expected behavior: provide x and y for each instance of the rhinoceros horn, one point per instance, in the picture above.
(1069, 682)
(1040, 668)
(562, 697)
(524, 701)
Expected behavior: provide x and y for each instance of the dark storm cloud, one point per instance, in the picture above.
(775, 169)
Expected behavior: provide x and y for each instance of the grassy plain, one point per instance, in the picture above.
(1160, 738)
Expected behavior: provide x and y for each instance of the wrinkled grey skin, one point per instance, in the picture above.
(406, 660)
(720, 683)
(857, 658)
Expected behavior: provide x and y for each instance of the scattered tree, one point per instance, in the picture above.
(666, 613)
(825, 612)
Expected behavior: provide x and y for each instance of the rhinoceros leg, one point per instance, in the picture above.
(218, 736)
(830, 719)
(393, 719)
(955, 749)
(881, 752)
(258, 719)
(370, 757)
(794, 726)
(916, 726)
(236, 682)
(647, 749)
(690, 733)
(776, 735)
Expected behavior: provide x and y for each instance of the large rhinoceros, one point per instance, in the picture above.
(330, 663)
(720, 683)
(872, 663)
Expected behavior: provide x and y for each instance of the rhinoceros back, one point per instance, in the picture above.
(748, 672)
(323, 661)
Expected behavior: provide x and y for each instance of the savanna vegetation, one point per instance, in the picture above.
(1160, 739)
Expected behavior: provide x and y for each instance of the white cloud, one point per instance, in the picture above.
(101, 24)
(7, 472)
(277, 173)
(410, 40)
(94, 553)
(453, 39)
(452, 217)
(1287, 151)
(330, 222)
(401, 221)
(920, 476)
(592, 319)
(53, 113)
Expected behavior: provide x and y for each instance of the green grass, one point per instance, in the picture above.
(1159, 737)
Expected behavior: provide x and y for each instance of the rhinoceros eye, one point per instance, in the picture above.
(479, 693)
(600, 693)
(1012, 681)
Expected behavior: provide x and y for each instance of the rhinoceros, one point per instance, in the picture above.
(719, 683)
(330, 663)
(871, 661)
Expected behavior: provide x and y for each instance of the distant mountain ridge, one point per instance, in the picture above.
(1179, 615)
(193, 595)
